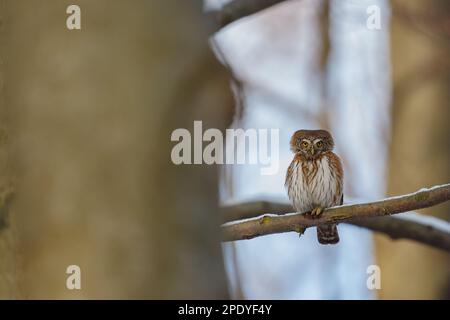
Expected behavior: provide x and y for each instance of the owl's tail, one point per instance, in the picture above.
(328, 234)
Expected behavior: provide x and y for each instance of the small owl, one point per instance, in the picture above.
(314, 179)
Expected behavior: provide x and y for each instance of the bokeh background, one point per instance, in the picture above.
(382, 93)
(85, 123)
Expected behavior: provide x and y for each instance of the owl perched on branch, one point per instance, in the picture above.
(314, 179)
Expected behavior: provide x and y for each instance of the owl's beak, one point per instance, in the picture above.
(311, 150)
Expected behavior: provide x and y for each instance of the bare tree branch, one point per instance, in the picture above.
(238, 9)
(253, 209)
(418, 228)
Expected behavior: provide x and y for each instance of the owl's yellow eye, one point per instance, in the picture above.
(319, 144)
(304, 144)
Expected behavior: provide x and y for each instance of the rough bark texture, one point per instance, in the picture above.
(90, 115)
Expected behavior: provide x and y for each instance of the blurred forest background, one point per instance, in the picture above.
(85, 124)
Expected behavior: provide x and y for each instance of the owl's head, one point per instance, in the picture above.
(311, 143)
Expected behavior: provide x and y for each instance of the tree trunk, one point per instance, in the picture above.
(90, 113)
(420, 153)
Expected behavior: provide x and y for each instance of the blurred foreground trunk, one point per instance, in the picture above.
(420, 153)
(7, 251)
(89, 114)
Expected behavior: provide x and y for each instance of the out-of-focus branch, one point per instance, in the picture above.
(238, 9)
(424, 229)
(372, 215)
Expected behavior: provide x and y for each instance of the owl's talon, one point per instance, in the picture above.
(316, 212)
